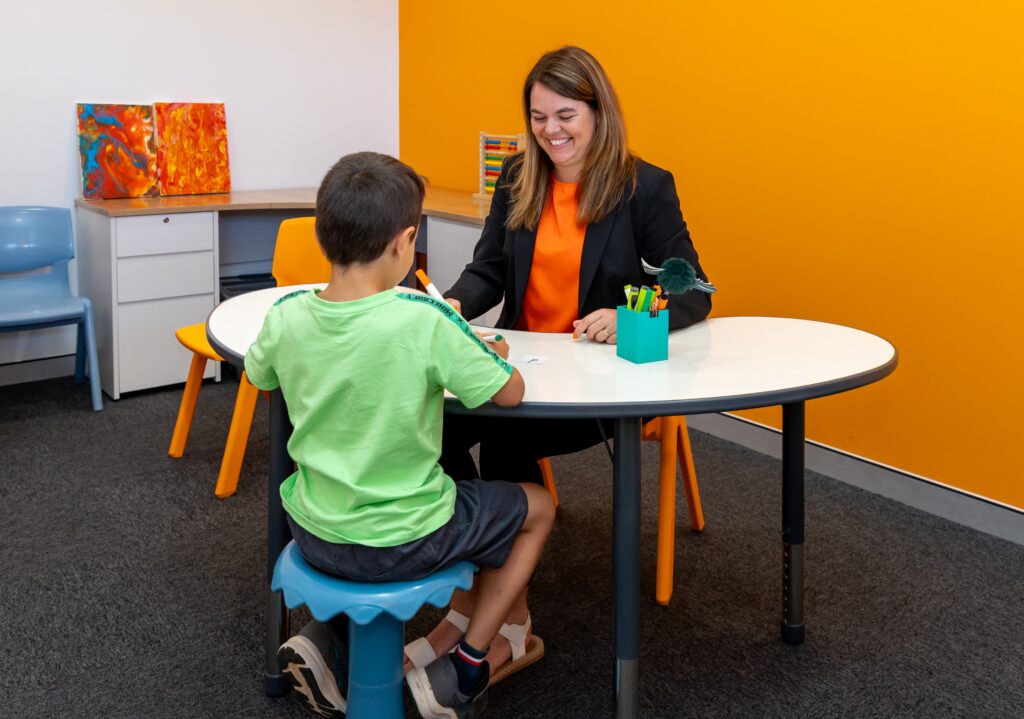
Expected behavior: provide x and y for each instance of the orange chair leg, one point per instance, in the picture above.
(188, 405)
(238, 438)
(549, 479)
(675, 444)
(652, 430)
(689, 478)
(666, 516)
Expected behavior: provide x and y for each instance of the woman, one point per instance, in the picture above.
(570, 220)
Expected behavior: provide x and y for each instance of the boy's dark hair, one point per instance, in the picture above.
(363, 202)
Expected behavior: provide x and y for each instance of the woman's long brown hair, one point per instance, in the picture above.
(609, 172)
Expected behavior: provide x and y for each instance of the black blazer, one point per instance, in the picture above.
(648, 225)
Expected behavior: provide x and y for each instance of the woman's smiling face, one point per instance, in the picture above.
(563, 128)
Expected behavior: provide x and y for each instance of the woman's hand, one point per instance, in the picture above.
(454, 303)
(599, 325)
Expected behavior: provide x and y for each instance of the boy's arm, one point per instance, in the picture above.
(259, 366)
(512, 393)
(472, 369)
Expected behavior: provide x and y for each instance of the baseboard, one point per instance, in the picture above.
(34, 370)
(991, 517)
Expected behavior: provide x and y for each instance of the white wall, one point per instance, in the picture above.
(303, 82)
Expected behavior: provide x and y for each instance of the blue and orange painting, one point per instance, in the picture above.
(118, 151)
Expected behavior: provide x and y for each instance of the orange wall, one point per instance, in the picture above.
(854, 162)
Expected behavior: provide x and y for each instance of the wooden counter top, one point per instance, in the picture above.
(455, 205)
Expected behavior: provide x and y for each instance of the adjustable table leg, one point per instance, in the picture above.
(793, 434)
(626, 553)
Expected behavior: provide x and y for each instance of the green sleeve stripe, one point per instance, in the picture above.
(288, 296)
(449, 312)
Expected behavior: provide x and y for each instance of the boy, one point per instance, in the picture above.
(363, 367)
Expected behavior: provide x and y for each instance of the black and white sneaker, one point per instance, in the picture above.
(435, 688)
(315, 662)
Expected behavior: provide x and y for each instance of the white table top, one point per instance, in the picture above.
(724, 363)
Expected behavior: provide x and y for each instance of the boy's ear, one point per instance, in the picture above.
(403, 238)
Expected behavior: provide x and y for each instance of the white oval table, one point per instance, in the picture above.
(725, 363)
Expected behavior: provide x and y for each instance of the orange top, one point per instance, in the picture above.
(551, 302)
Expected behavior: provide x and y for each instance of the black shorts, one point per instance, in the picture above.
(486, 522)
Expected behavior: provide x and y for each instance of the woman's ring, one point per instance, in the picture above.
(604, 334)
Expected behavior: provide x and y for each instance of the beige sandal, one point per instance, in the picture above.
(526, 648)
(420, 652)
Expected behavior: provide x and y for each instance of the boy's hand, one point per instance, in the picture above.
(496, 342)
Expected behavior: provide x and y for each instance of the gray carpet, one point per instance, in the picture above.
(128, 590)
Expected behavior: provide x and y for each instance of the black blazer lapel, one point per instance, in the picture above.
(523, 242)
(594, 243)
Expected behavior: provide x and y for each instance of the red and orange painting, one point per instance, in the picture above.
(192, 148)
(117, 150)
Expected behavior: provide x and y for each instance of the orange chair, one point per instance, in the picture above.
(675, 445)
(297, 260)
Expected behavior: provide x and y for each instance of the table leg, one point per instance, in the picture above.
(793, 435)
(275, 684)
(626, 559)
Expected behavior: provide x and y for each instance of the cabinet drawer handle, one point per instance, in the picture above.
(166, 220)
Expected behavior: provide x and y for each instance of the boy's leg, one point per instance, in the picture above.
(500, 652)
(455, 684)
(445, 636)
(499, 589)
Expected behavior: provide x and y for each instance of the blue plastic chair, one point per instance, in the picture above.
(376, 617)
(35, 247)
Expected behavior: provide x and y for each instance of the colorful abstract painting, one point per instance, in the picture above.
(192, 148)
(117, 149)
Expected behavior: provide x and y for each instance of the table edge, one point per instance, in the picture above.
(707, 405)
(668, 408)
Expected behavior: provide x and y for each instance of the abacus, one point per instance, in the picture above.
(493, 151)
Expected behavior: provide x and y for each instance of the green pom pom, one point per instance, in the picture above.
(677, 276)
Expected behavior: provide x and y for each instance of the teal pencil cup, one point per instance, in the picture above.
(641, 338)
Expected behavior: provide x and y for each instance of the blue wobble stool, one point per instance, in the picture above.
(376, 617)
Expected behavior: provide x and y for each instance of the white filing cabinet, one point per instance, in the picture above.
(147, 276)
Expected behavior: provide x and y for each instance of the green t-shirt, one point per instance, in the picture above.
(364, 382)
